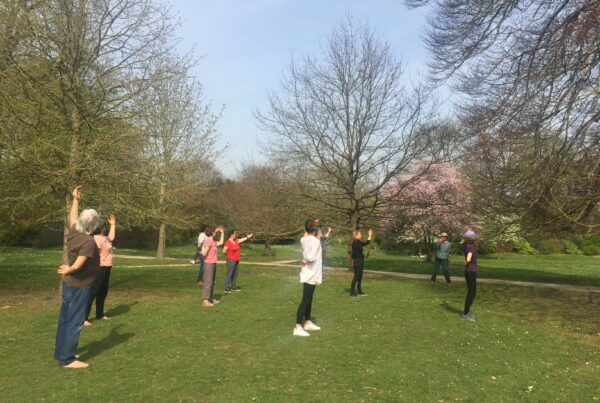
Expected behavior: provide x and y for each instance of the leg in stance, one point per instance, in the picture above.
(201, 267)
(360, 270)
(208, 282)
(93, 293)
(304, 311)
(436, 267)
(471, 279)
(102, 293)
(358, 266)
(229, 274)
(446, 271)
(235, 274)
(72, 313)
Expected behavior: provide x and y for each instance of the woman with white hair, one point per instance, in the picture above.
(470, 273)
(77, 279)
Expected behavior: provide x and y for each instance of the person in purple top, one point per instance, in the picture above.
(470, 273)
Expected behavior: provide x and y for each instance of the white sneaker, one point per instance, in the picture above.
(192, 262)
(311, 326)
(298, 331)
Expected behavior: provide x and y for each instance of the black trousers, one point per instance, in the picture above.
(305, 307)
(471, 279)
(358, 264)
(99, 292)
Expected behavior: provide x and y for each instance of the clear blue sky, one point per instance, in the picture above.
(247, 44)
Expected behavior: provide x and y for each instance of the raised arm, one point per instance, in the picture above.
(328, 232)
(369, 236)
(244, 239)
(74, 213)
(222, 238)
(113, 227)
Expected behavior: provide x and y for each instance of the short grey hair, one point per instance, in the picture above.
(88, 221)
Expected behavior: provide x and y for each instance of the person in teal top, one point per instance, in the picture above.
(442, 254)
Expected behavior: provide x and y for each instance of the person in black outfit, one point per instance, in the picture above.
(358, 260)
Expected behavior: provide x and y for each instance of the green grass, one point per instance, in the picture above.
(404, 342)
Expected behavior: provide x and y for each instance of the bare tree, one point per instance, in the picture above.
(531, 72)
(260, 202)
(345, 125)
(179, 150)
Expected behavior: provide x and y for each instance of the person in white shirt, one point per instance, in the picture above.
(311, 275)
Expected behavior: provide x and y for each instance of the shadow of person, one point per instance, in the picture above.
(449, 308)
(114, 338)
(120, 309)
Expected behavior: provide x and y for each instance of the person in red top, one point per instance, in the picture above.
(232, 250)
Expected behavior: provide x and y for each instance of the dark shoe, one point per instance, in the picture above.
(235, 289)
(354, 294)
(227, 291)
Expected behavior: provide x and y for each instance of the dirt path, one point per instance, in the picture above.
(414, 276)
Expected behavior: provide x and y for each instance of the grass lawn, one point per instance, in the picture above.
(403, 342)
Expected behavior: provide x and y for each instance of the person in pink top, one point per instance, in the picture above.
(232, 250)
(104, 239)
(209, 251)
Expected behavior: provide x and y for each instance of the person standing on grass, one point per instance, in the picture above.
(311, 274)
(232, 251)
(442, 255)
(470, 273)
(104, 239)
(358, 261)
(323, 239)
(77, 279)
(209, 251)
(199, 258)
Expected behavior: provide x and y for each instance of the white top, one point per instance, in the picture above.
(201, 239)
(312, 273)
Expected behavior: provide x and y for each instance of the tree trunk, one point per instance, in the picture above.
(160, 251)
(428, 248)
(267, 251)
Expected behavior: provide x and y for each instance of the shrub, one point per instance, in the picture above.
(570, 248)
(590, 245)
(486, 247)
(522, 247)
(549, 246)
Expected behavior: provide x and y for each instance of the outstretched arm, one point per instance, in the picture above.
(74, 213)
(113, 227)
(244, 239)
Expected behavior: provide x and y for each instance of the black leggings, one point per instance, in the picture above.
(471, 278)
(358, 275)
(306, 305)
(99, 292)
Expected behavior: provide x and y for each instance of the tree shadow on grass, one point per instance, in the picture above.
(450, 308)
(120, 309)
(114, 338)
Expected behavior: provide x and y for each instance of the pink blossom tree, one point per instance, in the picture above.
(431, 203)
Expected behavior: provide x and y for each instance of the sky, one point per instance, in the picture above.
(245, 46)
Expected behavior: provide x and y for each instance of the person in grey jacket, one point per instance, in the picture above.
(442, 254)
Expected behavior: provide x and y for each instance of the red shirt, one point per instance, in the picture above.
(233, 250)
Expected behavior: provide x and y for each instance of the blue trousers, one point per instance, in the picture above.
(437, 262)
(232, 273)
(70, 321)
(200, 258)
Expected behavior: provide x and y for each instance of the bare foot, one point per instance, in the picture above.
(207, 304)
(215, 301)
(105, 317)
(77, 364)
(87, 323)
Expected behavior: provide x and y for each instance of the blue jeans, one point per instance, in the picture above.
(201, 268)
(436, 266)
(70, 321)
